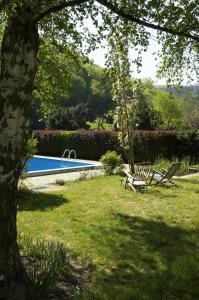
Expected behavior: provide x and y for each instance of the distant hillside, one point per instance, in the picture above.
(183, 91)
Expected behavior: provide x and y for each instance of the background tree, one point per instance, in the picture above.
(170, 108)
(56, 73)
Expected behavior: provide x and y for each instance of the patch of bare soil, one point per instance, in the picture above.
(72, 282)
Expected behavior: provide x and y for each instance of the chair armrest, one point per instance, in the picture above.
(164, 170)
(152, 175)
(129, 176)
(157, 172)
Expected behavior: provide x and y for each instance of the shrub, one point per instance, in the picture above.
(29, 150)
(46, 265)
(112, 162)
(87, 144)
(31, 147)
(93, 144)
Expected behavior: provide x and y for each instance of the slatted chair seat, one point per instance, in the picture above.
(166, 175)
(138, 180)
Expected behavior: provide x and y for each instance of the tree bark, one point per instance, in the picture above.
(18, 67)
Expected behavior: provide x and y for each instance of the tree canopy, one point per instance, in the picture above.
(174, 24)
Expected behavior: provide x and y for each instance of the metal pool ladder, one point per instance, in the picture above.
(69, 155)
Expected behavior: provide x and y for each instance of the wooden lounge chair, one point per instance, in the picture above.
(138, 180)
(166, 175)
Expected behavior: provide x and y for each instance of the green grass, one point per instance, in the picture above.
(142, 245)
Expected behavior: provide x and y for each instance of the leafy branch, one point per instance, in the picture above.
(145, 23)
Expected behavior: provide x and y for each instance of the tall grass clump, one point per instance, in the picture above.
(186, 164)
(163, 164)
(45, 263)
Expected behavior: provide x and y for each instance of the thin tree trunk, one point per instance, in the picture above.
(18, 67)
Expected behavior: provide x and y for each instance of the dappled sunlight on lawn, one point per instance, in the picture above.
(141, 245)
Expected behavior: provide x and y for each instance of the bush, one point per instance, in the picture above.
(112, 162)
(93, 144)
(29, 150)
(87, 144)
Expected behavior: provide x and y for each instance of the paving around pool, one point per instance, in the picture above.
(43, 172)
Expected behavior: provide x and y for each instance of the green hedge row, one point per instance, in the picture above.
(93, 144)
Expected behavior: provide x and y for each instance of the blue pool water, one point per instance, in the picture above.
(44, 164)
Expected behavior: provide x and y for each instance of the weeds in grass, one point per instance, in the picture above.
(86, 176)
(45, 264)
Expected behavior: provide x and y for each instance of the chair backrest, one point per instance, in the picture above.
(142, 171)
(172, 170)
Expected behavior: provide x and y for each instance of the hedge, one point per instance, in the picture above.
(93, 144)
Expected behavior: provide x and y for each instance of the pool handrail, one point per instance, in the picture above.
(66, 150)
(75, 155)
(69, 155)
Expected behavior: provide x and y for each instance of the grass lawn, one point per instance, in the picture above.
(142, 245)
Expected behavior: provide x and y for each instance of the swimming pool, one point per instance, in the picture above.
(40, 165)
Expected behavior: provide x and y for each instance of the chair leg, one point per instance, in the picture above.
(133, 188)
(172, 182)
(150, 180)
(125, 183)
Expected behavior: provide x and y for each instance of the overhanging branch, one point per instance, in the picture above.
(134, 19)
(120, 13)
(59, 7)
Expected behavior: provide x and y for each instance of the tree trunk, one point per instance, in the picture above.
(18, 67)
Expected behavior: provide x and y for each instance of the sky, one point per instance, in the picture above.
(149, 64)
(149, 67)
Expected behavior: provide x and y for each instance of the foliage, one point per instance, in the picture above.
(59, 63)
(73, 117)
(99, 124)
(49, 263)
(93, 144)
(112, 162)
(29, 150)
(105, 122)
(80, 93)
(87, 144)
(99, 96)
(186, 164)
(126, 105)
(147, 241)
(170, 109)
(163, 164)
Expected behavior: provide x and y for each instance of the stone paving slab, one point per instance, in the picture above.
(48, 182)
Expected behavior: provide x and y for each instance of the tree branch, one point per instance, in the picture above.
(134, 19)
(120, 13)
(57, 8)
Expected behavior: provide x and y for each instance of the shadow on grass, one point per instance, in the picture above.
(29, 200)
(151, 260)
